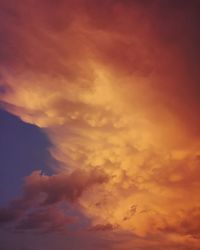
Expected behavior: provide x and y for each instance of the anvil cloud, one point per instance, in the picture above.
(115, 85)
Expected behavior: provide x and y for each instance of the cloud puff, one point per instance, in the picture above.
(41, 205)
(61, 186)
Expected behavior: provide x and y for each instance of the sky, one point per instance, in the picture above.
(99, 125)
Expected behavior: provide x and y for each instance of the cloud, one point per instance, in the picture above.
(7, 216)
(46, 220)
(62, 186)
(187, 224)
(115, 87)
(40, 208)
(106, 227)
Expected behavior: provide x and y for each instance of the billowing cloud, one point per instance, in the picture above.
(46, 202)
(115, 85)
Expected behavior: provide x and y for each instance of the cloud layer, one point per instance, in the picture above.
(115, 85)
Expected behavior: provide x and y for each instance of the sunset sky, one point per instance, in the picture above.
(99, 125)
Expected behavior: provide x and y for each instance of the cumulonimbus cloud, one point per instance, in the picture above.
(115, 87)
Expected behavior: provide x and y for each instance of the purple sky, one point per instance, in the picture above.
(23, 149)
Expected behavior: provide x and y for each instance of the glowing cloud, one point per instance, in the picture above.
(114, 85)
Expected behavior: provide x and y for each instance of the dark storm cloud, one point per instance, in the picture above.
(43, 191)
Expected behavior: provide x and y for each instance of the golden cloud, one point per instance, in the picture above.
(114, 88)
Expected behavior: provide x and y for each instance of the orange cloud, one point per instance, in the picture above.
(115, 87)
